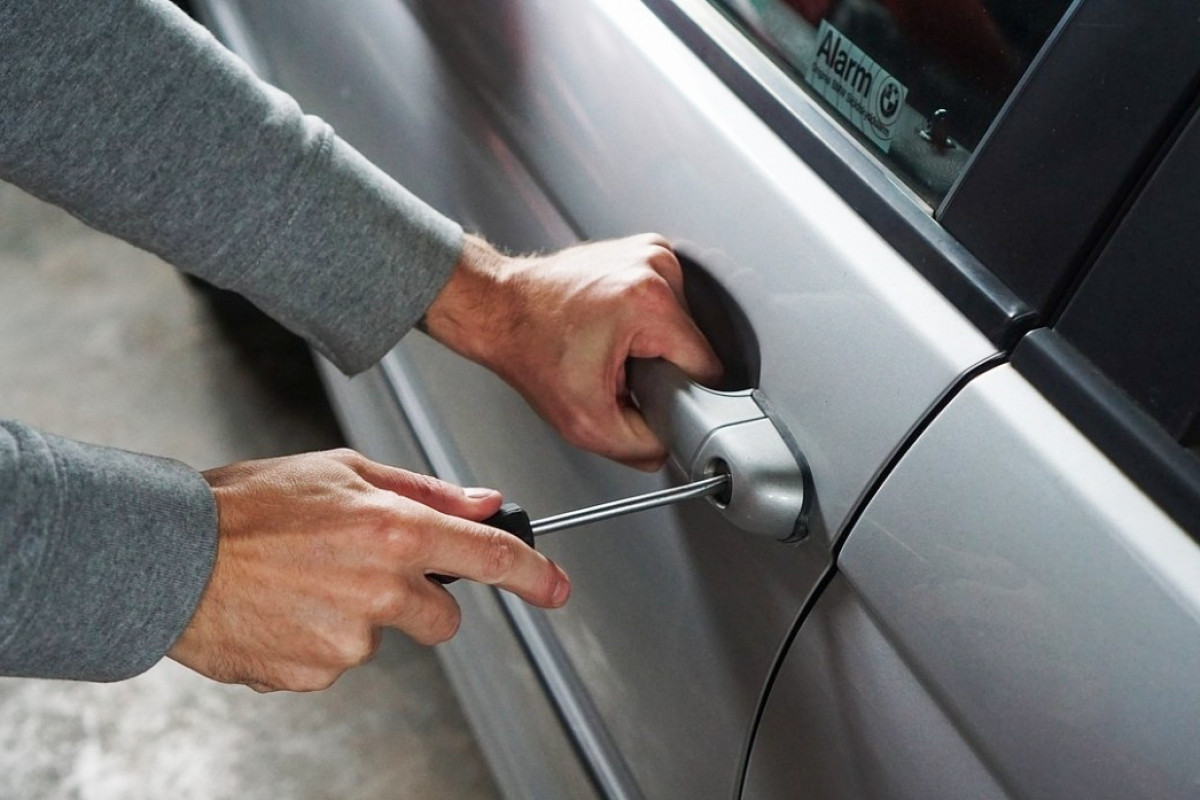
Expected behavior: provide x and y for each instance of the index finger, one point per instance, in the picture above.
(489, 555)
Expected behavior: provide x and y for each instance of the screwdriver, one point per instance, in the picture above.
(514, 519)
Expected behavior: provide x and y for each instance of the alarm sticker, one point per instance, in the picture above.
(862, 91)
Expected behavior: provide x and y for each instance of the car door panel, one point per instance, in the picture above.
(849, 719)
(1045, 603)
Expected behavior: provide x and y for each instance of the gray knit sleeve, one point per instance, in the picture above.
(103, 556)
(133, 118)
(136, 121)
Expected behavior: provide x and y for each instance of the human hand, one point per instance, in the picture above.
(560, 327)
(317, 552)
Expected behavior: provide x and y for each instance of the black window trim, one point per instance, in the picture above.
(1150, 65)
(1128, 436)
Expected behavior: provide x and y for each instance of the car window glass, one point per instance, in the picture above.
(919, 81)
(1133, 315)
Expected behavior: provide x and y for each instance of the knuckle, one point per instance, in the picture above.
(653, 239)
(407, 544)
(658, 253)
(298, 679)
(425, 486)
(442, 625)
(387, 604)
(579, 430)
(378, 515)
(315, 680)
(404, 538)
(346, 456)
(499, 556)
(667, 264)
(353, 651)
(647, 281)
(650, 291)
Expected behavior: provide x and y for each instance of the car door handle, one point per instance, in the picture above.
(710, 432)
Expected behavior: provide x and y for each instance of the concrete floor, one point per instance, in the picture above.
(101, 342)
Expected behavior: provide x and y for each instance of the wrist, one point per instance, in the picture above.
(470, 315)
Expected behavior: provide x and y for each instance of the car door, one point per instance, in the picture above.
(543, 122)
(1025, 582)
(1010, 615)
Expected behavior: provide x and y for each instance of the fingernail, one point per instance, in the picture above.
(562, 589)
(479, 492)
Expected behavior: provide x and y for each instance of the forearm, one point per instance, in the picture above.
(103, 556)
(134, 119)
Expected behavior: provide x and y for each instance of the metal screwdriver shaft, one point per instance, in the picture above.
(512, 518)
(701, 488)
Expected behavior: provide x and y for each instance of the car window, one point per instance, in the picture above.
(918, 81)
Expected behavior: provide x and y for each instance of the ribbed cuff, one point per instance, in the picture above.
(113, 551)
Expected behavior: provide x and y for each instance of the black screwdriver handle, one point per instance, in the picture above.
(512, 518)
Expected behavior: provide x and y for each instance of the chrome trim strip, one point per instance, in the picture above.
(582, 722)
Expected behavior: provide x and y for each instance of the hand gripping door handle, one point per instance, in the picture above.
(710, 432)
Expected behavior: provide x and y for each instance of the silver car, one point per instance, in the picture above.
(947, 250)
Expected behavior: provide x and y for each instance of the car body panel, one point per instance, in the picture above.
(849, 720)
(1046, 603)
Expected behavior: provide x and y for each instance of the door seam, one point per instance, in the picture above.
(935, 410)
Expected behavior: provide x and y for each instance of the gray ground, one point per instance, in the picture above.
(104, 343)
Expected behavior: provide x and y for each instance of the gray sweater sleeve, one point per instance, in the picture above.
(136, 121)
(103, 556)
